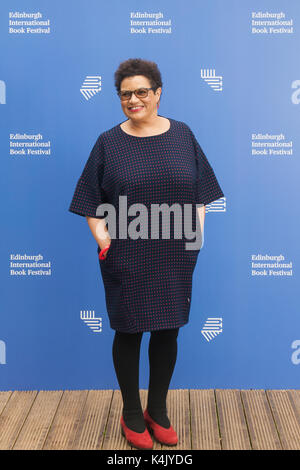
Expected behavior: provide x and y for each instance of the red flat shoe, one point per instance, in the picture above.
(161, 434)
(140, 440)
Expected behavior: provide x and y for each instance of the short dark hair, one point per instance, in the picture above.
(132, 67)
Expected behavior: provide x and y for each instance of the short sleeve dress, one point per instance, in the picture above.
(147, 278)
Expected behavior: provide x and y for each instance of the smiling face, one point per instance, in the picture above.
(146, 108)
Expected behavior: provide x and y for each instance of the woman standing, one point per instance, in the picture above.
(148, 160)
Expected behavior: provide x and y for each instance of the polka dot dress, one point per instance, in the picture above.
(147, 279)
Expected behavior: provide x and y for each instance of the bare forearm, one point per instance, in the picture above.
(99, 231)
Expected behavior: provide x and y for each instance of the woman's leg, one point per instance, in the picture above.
(162, 358)
(126, 357)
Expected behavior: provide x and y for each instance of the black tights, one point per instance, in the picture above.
(162, 354)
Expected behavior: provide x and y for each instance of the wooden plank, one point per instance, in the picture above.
(204, 420)
(38, 421)
(92, 424)
(113, 438)
(286, 417)
(4, 397)
(294, 396)
(233, 427)
(179, 415)
(262, 429)
(64, 427)
(13, 416)
(90, 419)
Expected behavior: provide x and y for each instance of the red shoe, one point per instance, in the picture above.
(141, 440)
(161, 434)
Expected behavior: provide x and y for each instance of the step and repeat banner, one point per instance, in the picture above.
(230, 71)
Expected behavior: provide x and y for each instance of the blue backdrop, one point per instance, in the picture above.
(230, 71)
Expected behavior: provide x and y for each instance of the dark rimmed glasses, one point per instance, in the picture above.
(139, 93)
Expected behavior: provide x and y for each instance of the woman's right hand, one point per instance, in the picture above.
(105, 254)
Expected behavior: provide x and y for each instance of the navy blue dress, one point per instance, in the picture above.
(147, 281)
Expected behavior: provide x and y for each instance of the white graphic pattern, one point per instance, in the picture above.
(211, 328)
(2, 352)
(2, 92)
(91, 86)
(216, 206)
(213, 80)
(95, 323)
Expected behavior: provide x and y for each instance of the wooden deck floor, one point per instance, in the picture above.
(203, 419)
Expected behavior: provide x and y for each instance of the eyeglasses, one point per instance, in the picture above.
(139, 93)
